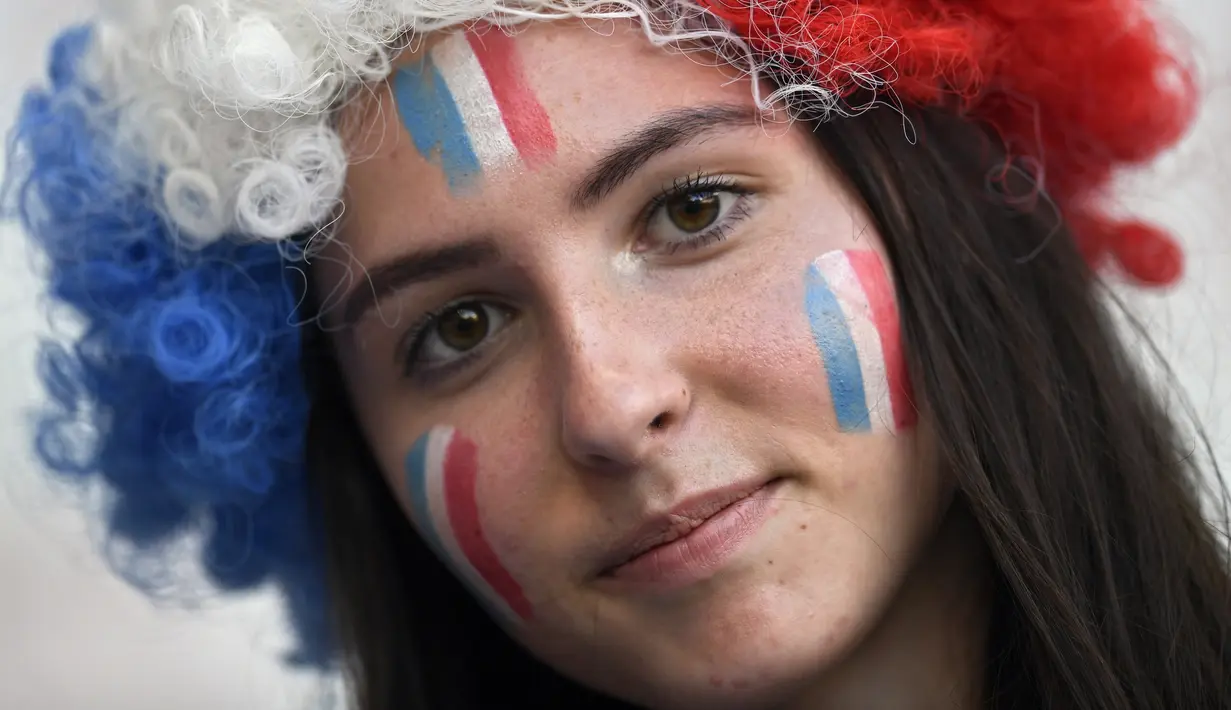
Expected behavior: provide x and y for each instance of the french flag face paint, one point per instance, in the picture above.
(855, 325)
(468, 107)
(442, 483)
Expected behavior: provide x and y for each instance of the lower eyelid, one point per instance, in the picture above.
(424, 376)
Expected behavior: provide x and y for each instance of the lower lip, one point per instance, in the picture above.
(702, 552)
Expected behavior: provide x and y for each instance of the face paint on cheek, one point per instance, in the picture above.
(442, 472)
(855, 325)
(469, 108)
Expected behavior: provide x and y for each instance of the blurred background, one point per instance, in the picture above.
(73, 637)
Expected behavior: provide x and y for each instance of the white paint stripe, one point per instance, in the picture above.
(854, 302)
(437, 444)
(437, 448)
(475, 101)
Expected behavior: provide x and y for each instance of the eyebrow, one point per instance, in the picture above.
(664, 132)
(416, 267)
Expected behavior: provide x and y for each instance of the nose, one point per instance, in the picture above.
(622, 399)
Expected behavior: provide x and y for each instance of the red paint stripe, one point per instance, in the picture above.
(461, 474)
(872, 276)
(524, 117)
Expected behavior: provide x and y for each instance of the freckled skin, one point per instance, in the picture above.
(606, 339)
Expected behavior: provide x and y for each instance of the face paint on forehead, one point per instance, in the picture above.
(469, 108)
(442, 470)
(854, 319)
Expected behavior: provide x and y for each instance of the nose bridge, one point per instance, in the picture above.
(621, 396)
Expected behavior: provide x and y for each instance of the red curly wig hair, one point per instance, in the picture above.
(1073, 88)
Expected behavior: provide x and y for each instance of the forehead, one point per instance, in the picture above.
(591, 85)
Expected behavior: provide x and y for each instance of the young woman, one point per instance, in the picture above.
(657, 355)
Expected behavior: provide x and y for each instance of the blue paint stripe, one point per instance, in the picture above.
(435, 124)
(416, 486)
(833, 338)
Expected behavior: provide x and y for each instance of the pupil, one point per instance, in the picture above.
(464, 327)
(695, 212)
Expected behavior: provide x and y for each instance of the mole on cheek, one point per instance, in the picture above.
(442, 471)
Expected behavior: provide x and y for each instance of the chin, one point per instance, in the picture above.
(729, 677)
(753, 647)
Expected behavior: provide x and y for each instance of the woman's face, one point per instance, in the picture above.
(629, 359)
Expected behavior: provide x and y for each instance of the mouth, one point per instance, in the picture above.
(692, 540)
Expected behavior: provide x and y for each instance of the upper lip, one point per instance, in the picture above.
(674, 523)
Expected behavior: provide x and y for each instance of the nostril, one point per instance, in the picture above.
(659, 422)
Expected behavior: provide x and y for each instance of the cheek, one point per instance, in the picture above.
(819, 345)
(875, 466)
(443, 488)
(755, 352)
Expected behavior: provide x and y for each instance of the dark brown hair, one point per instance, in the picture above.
(1111, 591)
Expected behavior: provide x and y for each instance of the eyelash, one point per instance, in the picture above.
(413, 343)
(701, 183)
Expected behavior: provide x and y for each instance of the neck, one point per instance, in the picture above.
(929, 650)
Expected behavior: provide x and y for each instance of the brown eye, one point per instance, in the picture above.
(455, 336)
(463, 327)
(694, 211)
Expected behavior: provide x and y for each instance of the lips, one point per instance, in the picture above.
(664, 528)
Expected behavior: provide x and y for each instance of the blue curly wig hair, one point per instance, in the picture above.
(187, 367)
